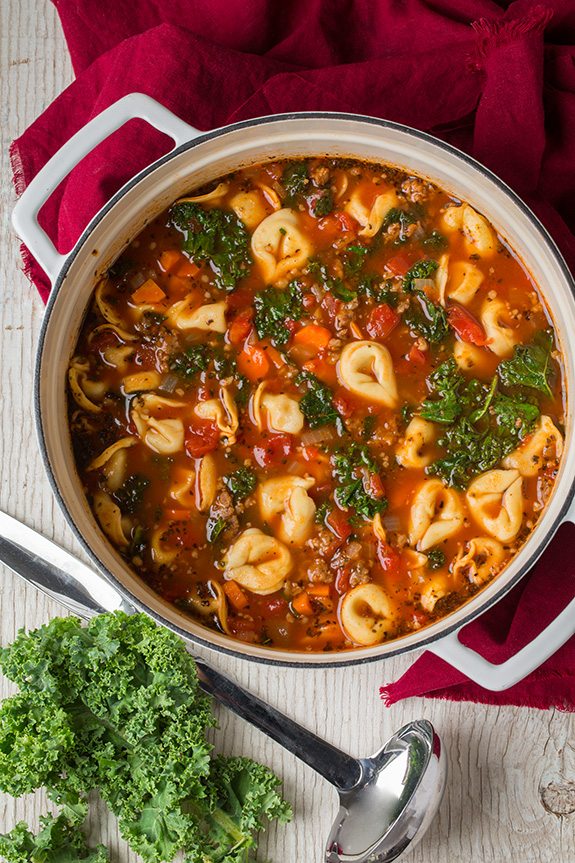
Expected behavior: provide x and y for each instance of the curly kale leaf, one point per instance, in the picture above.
(295, 180)
(217, 236)
(116, 706)
(334, 285)
(445, 382)
(131, 493)
(187, 364)
(58, 841)
(353, 469)
(424, 269)
(324, 204)
(530, 365)
(273, 308)
(317, 404)
(427, 318)
(241, 483)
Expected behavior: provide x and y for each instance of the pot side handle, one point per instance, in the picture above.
(25, 213)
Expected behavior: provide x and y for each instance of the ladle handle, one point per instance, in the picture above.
(340, 769)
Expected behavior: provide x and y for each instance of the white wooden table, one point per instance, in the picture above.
(511, 790)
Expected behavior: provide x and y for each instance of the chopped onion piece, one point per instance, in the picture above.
(169, 383)
(422, 284)
(391, 522)
(320, 435)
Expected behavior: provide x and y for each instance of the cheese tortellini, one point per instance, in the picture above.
(481, 560)
(366, 369)
(109, 516)
(434, 589)
(278, 412)
(215, 195)
(187, 315)
(287, 497)
(279, 245)
(478, 232)
(113, 462)
(182, 488)
(543, 445)
(495, 500)
(223, 412)
(157, 427)
(251, 207)
(87, 393)
(497, 323)
(415, 448)
(371, 220)
(463, 281)
(258, 562)
(435, 514)
(206, 482)
(468, 357)
(367, 614)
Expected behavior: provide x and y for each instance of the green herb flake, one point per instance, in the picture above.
(187, 364)
(424, 269)
(435, 558)
(530, 365)
(352, 469)
(241, 483)
(295, 179)
(317, 404)
(324, 204)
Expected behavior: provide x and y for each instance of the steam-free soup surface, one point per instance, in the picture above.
(317, 404)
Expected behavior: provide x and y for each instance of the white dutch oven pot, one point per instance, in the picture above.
(197, 159)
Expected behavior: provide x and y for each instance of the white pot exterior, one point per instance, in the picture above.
(206, 158)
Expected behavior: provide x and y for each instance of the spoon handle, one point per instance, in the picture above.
(340, 769)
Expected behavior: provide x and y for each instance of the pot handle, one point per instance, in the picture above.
(131, 107)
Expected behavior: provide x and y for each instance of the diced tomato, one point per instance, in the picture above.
(308, 301)
(347, 222)
(253, 363)
(389, 557)
(343, 404)
(201, 439)
(338, 523)
(240, 327)
(274, 606)
(337, 223)
(399, 264)
(273, 449)
(417, 357)
(374, 485)
(241, 299)
(466, 325)
(382, 320)
(331, 305)
(310, 452)
(342, 580)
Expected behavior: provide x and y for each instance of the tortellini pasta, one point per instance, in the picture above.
(415, 562)
(495, 500)
(112, 462)
(210, 601)
(366, 369)
(251, 207)
(85, 392)
(141, 381)
(183, 487)
(110, 518)
(463, 281)
(367, 614)
(187, 315)
(432, 591)
(468, 357)
(161, 433)
(414, 450)
(435, 514)
(287, 497)
(162, 553)
(497, 323)
(481, 560)
(215, 195)
(371, 220)
(279, 245)
(282, 412)
(206, 482)
(223, 412)
(105, 301)
(258, 562)
(543, 445)
(478, 233)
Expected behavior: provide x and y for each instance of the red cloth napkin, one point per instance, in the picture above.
(495, 79)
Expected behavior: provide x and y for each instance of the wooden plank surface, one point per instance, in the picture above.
(511, 791)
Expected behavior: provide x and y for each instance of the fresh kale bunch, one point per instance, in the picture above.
(116, 707)
(353, 469)
(273, 308)
(481, 423)
(214, 235)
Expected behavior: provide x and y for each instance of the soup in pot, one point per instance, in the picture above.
(318, 404)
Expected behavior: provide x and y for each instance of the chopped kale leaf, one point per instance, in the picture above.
(273, 308)
(295, 180)
(403, 218)
(445, 382)
(435, 241)
(530, 365)
(215, 528)
(317, 404)
(216, 236)
(424, 269)
(369, 424)
(330, 283)
(130, 495)
(427, 318)
(190, 362)
(435, 558)
(353, 469)
(241, 483)
(354, 259)
(324, 204)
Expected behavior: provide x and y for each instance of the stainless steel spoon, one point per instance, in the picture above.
(387, 801)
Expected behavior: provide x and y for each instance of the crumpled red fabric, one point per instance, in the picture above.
(495, 79)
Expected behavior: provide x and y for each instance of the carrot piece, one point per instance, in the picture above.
(319, 590)
(235, 595)
(241, 327)
(275, 356)
(253, 363)
(313, 336)
(302, 604)
(170, 259)
(187, 269)
(149, 292)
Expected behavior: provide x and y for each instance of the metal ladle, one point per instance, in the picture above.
(387, 801)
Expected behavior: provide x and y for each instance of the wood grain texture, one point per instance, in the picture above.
(511, 791)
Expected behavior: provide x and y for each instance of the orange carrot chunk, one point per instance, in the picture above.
(149, 292)
(313, 336)
(253, 363)
(319, 590)
(302, 604)
(235, 595)
(170, 259)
